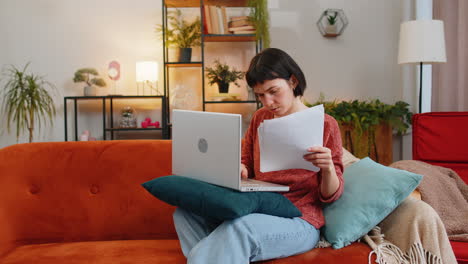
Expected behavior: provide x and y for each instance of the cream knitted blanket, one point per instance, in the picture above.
(413, 233)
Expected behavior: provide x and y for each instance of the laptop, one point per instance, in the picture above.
(207, 146)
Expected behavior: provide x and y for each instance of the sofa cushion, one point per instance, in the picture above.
(356, 253)
(460, 249)
(99, 252)
(157, 251)
(371, 192)
(217, 202)
(80, 191)
(439, 138)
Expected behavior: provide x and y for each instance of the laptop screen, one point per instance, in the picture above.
(207, 146)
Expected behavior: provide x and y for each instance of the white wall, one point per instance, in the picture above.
(60, 36)
(359, 64)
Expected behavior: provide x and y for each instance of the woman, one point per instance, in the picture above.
(279, 84)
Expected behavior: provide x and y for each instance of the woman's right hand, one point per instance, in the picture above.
(244, 172)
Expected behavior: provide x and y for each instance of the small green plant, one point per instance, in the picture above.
(261, 18)
(222, 74)
(179, 32)
(86, 75)
(332, 18)
(26, 99)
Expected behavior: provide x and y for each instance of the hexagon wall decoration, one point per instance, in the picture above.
(332, 22)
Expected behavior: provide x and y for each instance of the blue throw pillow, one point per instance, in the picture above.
(371, 192)
(215, 202)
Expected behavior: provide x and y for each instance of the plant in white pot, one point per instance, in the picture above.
(26, 100)
(223, 75)
(331, 27)
(91, 77)
(181, 34)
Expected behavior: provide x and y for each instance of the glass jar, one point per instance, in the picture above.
(128, 118)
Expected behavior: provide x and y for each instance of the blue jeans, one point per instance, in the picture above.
(253, 237)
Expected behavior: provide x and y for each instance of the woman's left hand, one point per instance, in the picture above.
(321, 157)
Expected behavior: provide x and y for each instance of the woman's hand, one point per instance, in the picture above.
(244, 172)
(321, 157)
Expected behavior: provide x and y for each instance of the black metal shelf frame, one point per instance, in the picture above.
(167, 64)
(110, 99)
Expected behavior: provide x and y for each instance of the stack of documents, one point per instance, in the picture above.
(284, 141)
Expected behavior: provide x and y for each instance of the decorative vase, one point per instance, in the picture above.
(128, 118)
(89, 91)
(331, 29)
(185, 54)
(223, 87)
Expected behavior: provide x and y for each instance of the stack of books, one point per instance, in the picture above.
(241, 25)
(216, 21)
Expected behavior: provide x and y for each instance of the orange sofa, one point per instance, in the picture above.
(82, 202)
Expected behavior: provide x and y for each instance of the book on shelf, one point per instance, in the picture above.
(207, 20)
(235, 18)
(240, 23)
(244, 28)
(218, 21)
(243, 32)
(225, 19)
(214, 20)
(219, 17)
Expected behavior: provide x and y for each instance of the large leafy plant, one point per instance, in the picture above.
(26, 100)
(179, 32)
(365, 116)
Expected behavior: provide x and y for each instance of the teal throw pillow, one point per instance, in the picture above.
(371, 192)
(217, 202)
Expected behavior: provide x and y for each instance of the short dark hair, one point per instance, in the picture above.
(274, 63)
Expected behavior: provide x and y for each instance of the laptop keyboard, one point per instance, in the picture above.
(249, 183)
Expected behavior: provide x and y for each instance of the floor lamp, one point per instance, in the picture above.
(421, 41)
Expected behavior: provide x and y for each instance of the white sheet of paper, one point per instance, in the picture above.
(283, 141)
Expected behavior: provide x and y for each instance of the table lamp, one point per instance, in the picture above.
(147, 74)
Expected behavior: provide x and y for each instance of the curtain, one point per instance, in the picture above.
(450, 79)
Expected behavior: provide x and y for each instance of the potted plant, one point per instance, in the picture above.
(223, 75)
(26, 99)
(86, 75)
(366, 126)
(331, 18)
(181, 34)
(260, 17)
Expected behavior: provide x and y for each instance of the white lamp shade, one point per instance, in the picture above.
(422, 41)
(146, 71)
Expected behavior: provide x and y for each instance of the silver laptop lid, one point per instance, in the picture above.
(207, 146)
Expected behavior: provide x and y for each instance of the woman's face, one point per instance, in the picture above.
(277, 96)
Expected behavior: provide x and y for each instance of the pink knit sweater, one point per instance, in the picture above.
(304, 185)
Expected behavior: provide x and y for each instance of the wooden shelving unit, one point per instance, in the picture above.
(206, 38)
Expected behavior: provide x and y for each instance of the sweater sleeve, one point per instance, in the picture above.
(332, 140)
(248, 146)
